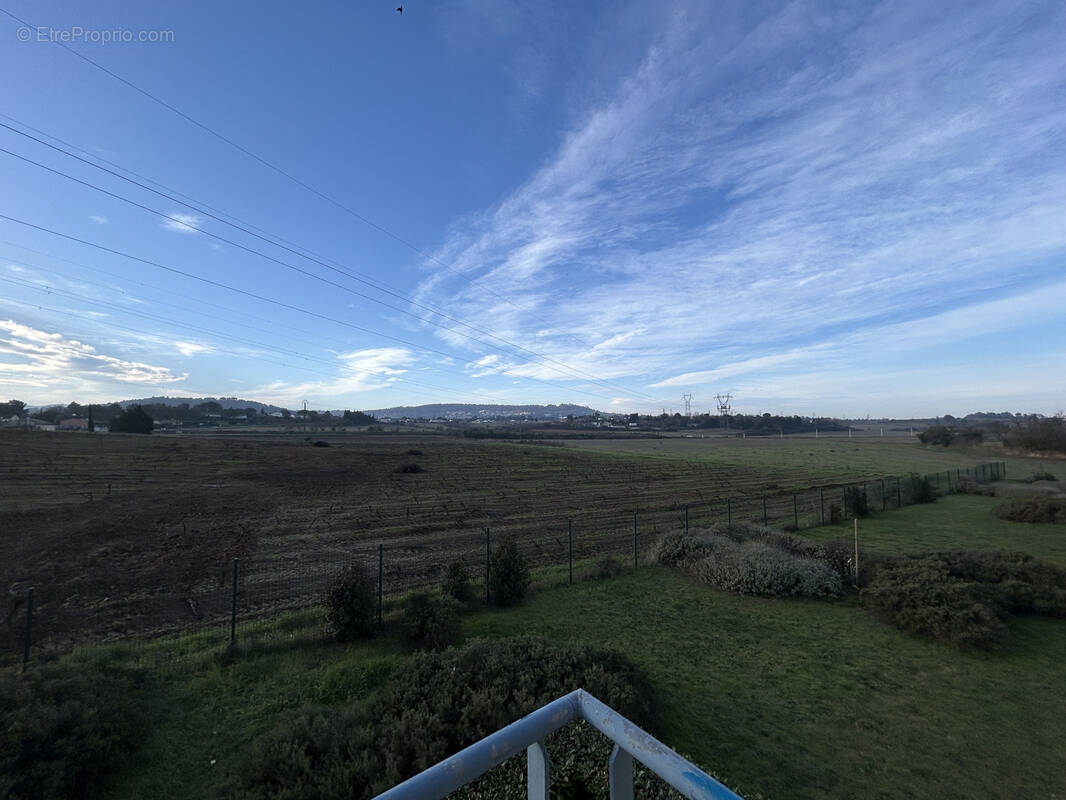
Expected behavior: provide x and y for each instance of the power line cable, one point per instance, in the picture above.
(272, 301)
(574, 373)
(414, 248)
(241, 354)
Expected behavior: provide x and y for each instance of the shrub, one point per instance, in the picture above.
(508, 574)
(919, 489)
(457, 583)
(1042, 475)
(970, 486)
(440, 703)
(409, 468)
(431, 621)
(65, 732)
(1033, 509)
(606, 567)
(938, 435)
(1042, 435)
(858, 502)
(963, 597)
(351, 604)
(752, 559)
(414, 452)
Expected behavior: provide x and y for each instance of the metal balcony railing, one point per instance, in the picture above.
(529, 733)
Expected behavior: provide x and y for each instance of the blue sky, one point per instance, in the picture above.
(822, 208)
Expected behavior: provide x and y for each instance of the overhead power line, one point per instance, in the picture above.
(269, 165)
(546, 361)
(272, 301)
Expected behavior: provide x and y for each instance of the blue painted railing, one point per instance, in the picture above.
(529, 732)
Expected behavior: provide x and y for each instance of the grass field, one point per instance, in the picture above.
(780, 698)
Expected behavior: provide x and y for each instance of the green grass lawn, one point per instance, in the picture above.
(780, 698)
(951, 523)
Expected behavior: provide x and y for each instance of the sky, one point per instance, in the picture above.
(820, 208)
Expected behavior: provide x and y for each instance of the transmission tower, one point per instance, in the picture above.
(724, 408)
(688, 404)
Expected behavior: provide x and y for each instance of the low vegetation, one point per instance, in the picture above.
(1033, 509)
(1039, 435)
(508, 575)
(964, 597)
(431, 621)
(351, 604)
(752, 559)
(438, 704)
(64, 732)
(457, 583)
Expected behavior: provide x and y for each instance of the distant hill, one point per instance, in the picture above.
(464, 411)
(225, 402)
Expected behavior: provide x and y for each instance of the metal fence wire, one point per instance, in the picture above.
(277, 596)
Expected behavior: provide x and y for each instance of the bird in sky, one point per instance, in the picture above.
(399, 10)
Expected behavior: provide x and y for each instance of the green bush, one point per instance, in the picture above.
(431, 621)
(1041, 435)
(1043, 475)
(606, 567)
(64, 732)
(963, 597)
(857, 501)
(508, 574)
(753, 559)
(1033, 509)
(918, 489)
(351, 604)
(440, 703)
(457, 583)
(937, 434)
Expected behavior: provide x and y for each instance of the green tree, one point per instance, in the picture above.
(133, 420)
(12, 408)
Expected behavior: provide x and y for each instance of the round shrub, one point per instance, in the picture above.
(409, 468)
(351, 604)
(754, 559)
(431, 621)
(508, 574)
(457, 583)
(1033, 509)
(963, 597)
(64, 731)
(440, 703)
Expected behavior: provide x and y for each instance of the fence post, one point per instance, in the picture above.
(764, 509)
(233, 607)
(634, 540)
(570, 537)
(381, 579)
(686, 519)
(899, 495)
(729, 511)
(821, 505)
(795, 513)
(29, 628)
(843, 502)
(488, 561)
(1004, 469)
(884, 502)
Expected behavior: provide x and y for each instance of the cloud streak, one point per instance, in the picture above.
(760, 192)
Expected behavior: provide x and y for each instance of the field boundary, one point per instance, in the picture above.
(235, 601)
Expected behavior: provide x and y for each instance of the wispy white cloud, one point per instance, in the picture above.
(99, 220)
(358, 371)
(758, 189)
(42, 360)
(192, 348)
(182, 223)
